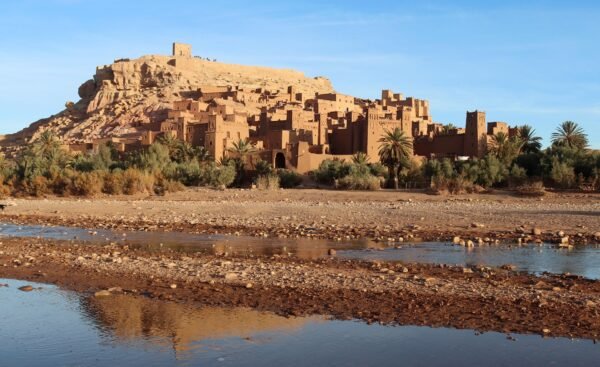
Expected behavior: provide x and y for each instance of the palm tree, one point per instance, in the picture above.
(47, 145)
(505, 148)
(395, 149)
(360, 159)
(446, 129)
(571, 135)
(172, 143)
(531, 143)
(185, 152)
(203, 154)
(241, 150)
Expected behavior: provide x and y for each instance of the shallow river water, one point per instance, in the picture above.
(53, 327)
(581, 260)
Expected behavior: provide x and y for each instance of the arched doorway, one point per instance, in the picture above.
(279, 160)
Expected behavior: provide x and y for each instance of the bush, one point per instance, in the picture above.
(517, 176)
(267, 182)
(535, 189)
(36, 186)
(4, 188)
(188, 173)
(219, 176)
(436, 169)
(359, 182)
(289, 179)
(136, 181)
(378, 170)
(86, 183)
(331, 170)
(165, 185)
(113, 183)
(263, 168)
(153, 159)
(562, 174)
(61, 183)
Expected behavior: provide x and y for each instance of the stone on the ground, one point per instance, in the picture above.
(231, 276)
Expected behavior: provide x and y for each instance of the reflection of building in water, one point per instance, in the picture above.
(181, 326)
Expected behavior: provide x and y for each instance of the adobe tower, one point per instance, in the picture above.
(475, 135)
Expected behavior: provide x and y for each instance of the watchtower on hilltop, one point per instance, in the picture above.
(182, 50)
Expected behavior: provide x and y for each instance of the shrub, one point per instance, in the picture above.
(331, 170)
(517, 176)
(359, 182)
(113, 183)
(378, 170)
(263, 168)
(267, 182)
(188, 173)
(136, 181)
(439, 170)
(86, 183)
(61, 183)
(219, 175)
(562, 174)
(535, 189)
(155, 158)
(164, 185)
(4, 188)
(36, 186)
(289, 179)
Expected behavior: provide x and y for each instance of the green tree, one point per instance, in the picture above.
(562, 174)
(172, 144)
(570, 134)
(203, 155)
(531, 142)
(395, 151)
(505, 148)
(47, 145)
(154, 159)
(241, 150)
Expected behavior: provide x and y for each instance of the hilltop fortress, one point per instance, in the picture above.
(295, 122)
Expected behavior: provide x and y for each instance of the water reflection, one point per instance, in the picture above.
(181, 327)
(211, 244)
(50, 327)
(581, 260)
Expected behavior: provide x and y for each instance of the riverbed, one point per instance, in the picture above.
(532, 258)
(51, 326)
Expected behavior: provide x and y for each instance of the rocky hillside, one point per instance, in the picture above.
(130, 95)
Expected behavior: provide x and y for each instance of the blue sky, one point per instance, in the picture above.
(535, 63)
